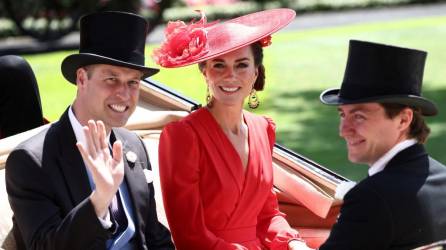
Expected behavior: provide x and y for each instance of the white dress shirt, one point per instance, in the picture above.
(381, 163)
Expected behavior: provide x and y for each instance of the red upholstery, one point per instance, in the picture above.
(312, 228)
(299, 216)
(314, 237)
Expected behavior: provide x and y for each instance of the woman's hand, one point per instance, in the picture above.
(106, 170)
(298, 245)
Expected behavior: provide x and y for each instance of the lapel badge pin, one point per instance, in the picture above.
(131, 156)
(149, 175)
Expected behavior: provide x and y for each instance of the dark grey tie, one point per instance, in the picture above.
(117, 210)
(118, 214)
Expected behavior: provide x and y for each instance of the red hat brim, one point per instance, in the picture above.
(236, 33)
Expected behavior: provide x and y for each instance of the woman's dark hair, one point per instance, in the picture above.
(418, 127)
(257, 51)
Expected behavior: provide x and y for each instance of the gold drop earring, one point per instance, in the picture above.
(253, 101)
(208, 97)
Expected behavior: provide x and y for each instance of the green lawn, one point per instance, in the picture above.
(299, 66)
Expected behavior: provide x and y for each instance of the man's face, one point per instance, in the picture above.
(107, 93)
(368, 132)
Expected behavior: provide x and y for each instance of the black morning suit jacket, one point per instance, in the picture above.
(401, 207)
(48, 190)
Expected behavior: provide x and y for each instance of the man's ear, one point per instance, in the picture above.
(405, 118)
(81, 76)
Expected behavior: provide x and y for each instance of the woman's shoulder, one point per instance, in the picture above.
(186, 124)
(263, 120)
(270, 121)
(180, 128)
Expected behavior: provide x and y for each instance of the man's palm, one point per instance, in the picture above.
(107, 170)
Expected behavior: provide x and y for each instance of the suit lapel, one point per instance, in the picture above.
(135, 178)
(407, 155)
(72, 165)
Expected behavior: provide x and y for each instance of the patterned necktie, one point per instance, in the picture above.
(117, 209)
(118, 214)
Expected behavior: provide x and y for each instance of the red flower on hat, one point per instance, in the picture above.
(266, 41)
(183, 42)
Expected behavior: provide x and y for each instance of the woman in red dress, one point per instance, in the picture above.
(216, 164)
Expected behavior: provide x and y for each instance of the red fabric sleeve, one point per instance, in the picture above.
(271, 131)
(179, 154)
(272, 228)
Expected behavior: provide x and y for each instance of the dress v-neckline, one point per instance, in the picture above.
(232, 147)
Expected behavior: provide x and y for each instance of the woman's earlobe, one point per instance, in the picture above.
(203, 71)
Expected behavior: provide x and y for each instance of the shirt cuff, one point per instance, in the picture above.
(106, 221)
(343, 188)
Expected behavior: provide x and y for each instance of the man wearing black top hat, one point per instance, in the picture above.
(98, 198)
(402, 203)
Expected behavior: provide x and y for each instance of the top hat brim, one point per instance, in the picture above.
(73, 62)
(428, 108)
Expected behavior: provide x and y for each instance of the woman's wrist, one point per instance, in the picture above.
(297, 244)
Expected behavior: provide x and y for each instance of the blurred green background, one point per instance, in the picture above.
(299, 65)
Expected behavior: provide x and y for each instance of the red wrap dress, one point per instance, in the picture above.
(211, 202)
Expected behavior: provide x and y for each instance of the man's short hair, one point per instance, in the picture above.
(418, 128)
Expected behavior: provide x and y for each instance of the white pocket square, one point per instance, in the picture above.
(149, 175)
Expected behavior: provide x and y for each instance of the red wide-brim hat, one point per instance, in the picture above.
(187, 44)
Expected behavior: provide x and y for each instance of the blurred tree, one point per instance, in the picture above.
(281, 3)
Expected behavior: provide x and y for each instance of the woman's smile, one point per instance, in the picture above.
(229, 89)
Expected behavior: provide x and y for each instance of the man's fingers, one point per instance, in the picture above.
(90, 145)
(103, 143)
(85, 156)
(95, 134)
(82, 150)
(102, 135)
(117, 164)
(117, 151)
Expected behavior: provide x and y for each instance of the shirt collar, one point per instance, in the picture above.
(381, 163)
(78, 128)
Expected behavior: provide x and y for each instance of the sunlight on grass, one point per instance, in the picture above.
(299, 66)
(56, 92)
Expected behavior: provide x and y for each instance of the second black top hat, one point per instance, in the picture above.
(382, 73)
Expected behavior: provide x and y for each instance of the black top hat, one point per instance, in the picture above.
(382, 73)
(111, 37)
